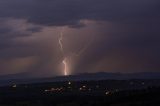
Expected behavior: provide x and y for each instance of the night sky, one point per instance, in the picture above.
(98, 36)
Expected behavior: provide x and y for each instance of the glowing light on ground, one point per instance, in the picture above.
(107, 93)
(69, 83)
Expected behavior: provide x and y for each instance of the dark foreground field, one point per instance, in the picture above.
(90, 93)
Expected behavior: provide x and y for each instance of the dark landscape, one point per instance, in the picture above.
(94, 92)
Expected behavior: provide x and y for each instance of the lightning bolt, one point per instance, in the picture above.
(60, 42)
(65, 67)
(79, 53)
(62, 50)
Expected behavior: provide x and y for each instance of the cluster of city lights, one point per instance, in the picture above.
(54, 89)
(69, 86)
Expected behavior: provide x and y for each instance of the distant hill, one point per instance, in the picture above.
(23, 78)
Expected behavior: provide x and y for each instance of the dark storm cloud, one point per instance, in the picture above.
(131, 40)
(4, 30)
(11, 29)
(34, 29)
(69, 12)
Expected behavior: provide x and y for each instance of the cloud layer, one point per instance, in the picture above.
(124, 36)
